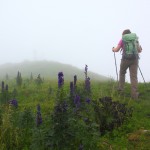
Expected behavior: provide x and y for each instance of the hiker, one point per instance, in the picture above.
(130, 47)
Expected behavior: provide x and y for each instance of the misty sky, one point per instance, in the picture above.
(75, 32)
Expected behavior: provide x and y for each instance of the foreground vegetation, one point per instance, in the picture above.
(72, 115)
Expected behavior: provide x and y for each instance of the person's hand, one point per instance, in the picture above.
(113, 49)
(116, 49)
(139, 49)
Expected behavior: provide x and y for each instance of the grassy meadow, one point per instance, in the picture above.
(37, 114)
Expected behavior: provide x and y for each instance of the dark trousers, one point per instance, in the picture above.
(133, 67)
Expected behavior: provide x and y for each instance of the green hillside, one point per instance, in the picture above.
(47, 69)
(44, 117)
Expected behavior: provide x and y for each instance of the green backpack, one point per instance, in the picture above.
(130, 42)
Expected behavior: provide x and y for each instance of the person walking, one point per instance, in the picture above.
(130, 47)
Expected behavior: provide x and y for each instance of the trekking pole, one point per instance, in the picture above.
(142, 75)
(116, 66)
(144, 80)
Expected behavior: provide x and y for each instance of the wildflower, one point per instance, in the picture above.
(71, 88)
(87, 79)
(13, 103)
(77, 100)
(87, 84)
(38, 116)
(65, 106)
(60, 79)
(19, 79)
(86, 68)
(88, 100)
(75, 80)
(2, 86)
(38, 119)
(38, 108)
(39, 80)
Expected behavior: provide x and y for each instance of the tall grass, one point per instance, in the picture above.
(69, 123)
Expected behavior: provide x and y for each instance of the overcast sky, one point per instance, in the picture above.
(75, 32)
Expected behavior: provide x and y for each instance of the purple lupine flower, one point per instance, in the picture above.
(87, 84)
(13, 103)
(88, 100)
(2, 86)
(38, 119)
(60, 74)
(60, 79)
(75, 80)
(86, 68)
(71, 88)
(38, 116)
(87, 79)
(65, 106)
(38, 108)
(77, 100)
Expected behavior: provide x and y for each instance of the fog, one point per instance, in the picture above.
(75, 32)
